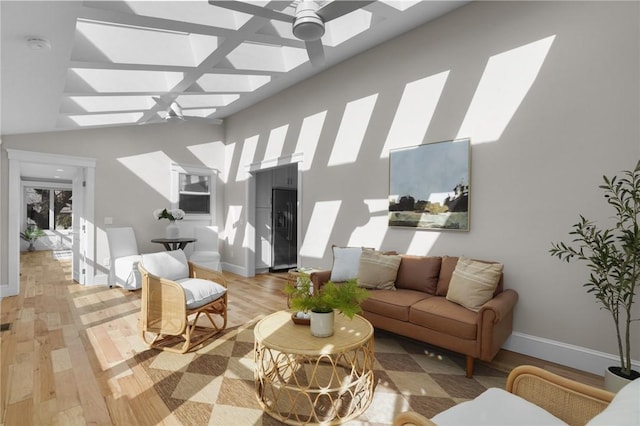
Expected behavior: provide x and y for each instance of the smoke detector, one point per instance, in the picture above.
(38, 43)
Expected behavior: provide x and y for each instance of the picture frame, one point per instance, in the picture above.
(429, 186)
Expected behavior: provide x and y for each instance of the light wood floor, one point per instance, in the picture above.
(63, 361)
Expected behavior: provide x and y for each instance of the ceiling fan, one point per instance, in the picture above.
(173, 112)
(308, 21)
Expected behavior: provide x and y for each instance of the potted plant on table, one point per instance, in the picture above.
(344, 297)
(31, 234)
(613, 256)
(172, 231)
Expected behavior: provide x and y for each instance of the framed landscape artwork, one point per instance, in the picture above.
(429, 186)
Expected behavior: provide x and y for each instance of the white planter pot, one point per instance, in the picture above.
(322, 324)
(172, 231)
(613, 382)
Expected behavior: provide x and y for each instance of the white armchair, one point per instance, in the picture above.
(124, 258)
(205, 249)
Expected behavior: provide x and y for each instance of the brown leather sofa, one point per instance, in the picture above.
(418, 309)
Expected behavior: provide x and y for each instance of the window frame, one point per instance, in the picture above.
(176, 171)
(51, 186)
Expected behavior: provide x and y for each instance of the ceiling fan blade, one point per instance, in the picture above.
(315, 50)
(252, 9)
(338, 8)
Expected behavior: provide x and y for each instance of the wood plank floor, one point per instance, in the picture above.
(63, 360)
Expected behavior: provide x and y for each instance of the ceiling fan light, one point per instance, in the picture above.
(308, 26)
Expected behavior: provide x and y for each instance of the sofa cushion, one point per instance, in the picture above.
(377, 270)
(171, 265)
(199, 292)
(496, 407)
(392, 303)
(446, 271)
(624, 409)
(419, 273)
(437, 313)
(346, 262)
(473, 283)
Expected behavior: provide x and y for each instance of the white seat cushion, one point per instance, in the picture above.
(624, 410)
(124, 272)
(199, 292)
(496, 407)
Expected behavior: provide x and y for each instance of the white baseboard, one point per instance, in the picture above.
(101, 279)
(236, 269)
(584, 359)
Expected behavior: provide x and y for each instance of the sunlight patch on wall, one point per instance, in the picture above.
(422, 242)
(414, 113)
(153, 169)
(321, 223)
(229, 150)
(309, 137)
(505, 82)
(372, 233)
(208, 153)
(353, 127)
(233, 222)
(246, 158)
(276, 142)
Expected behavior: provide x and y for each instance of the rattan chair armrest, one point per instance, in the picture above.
(411, 418)
(197, 271)
(571, 401)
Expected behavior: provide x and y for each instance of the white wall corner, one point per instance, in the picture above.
(577, 357)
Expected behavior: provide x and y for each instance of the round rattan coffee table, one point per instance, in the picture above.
(302, 379)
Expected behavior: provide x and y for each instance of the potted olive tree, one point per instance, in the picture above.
(613, 257)
(344, 297)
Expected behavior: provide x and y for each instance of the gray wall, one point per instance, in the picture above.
(132, 176)
(551, 92)
(553, 89)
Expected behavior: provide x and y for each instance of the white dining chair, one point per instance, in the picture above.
(124, 258)
(205, 249)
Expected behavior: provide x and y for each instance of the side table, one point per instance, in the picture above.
(302, 379)
(174, 243)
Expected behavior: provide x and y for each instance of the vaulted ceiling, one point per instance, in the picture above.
(81, 64)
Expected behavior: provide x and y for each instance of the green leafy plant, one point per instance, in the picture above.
(613, 256)
(345, 297)
(32, 233)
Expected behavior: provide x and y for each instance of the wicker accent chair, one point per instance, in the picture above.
(572, 402)
(176, 294)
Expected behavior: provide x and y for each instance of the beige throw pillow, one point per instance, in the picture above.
(473, 283)
(377, 270)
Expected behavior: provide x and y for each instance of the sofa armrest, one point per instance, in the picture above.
(573, 402)
(319, 278)
(501, 305)
(411, 418)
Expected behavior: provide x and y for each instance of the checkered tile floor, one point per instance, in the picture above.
(215, 384)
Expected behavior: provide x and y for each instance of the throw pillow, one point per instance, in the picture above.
(377, 270)
(419, 273)
(346, 261)
(473, 283)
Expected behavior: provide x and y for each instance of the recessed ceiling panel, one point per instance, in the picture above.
(196, 12)
(106, 103)
(342, 29)
(105, 119)
(231, 83)
(87, 80)
(258, 56)
(124, 44)
(204, 101)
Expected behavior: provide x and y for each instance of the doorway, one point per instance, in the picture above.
(83, 182)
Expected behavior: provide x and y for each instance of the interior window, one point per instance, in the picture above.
(194, 193)
(48, 208)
